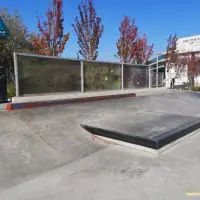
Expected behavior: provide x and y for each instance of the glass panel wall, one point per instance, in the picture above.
(44, 75)
(39, 75)
(101, 76)
(136, 76)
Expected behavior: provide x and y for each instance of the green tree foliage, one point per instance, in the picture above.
(17, 42)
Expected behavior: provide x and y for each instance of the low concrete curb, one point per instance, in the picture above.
(27, 105)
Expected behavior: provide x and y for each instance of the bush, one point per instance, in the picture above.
(195, 88)
(10, 90)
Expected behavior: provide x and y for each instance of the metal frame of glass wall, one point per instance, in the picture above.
(86, 65)
(156, 64)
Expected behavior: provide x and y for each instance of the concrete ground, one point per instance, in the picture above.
(45, 154)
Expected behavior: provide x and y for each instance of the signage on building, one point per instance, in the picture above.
(4, 32)
(188, 44)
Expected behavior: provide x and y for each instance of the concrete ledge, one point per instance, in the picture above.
(146, 149)
(91, 98)
(151, 144)
(59, 96)
(65, 98)
(126, 144)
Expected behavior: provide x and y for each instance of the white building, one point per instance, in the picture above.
(158, 68)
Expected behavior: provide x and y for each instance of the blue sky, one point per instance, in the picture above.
(156, 18)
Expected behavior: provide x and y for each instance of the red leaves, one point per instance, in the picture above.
(180, 61)
(131, 48)
(144, 51)
(177, 60)
(172, 59)
(193, 66)
(126, 45)
(51, 40)
(88, 30)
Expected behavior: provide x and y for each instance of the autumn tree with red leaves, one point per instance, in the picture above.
(193, 67)
(51, 41)
(88, 30)
(175, 60)
(172, 54)
(180, 61)
(144, 50)
(131, 47)
(126, 45)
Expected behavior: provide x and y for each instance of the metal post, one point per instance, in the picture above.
(149, 76)
(82, 77)
(157, 72)
(122, 75)
(16, 74)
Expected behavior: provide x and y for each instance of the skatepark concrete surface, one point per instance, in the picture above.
(45, 153)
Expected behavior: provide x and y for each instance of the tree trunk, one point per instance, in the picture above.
(192, 81)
